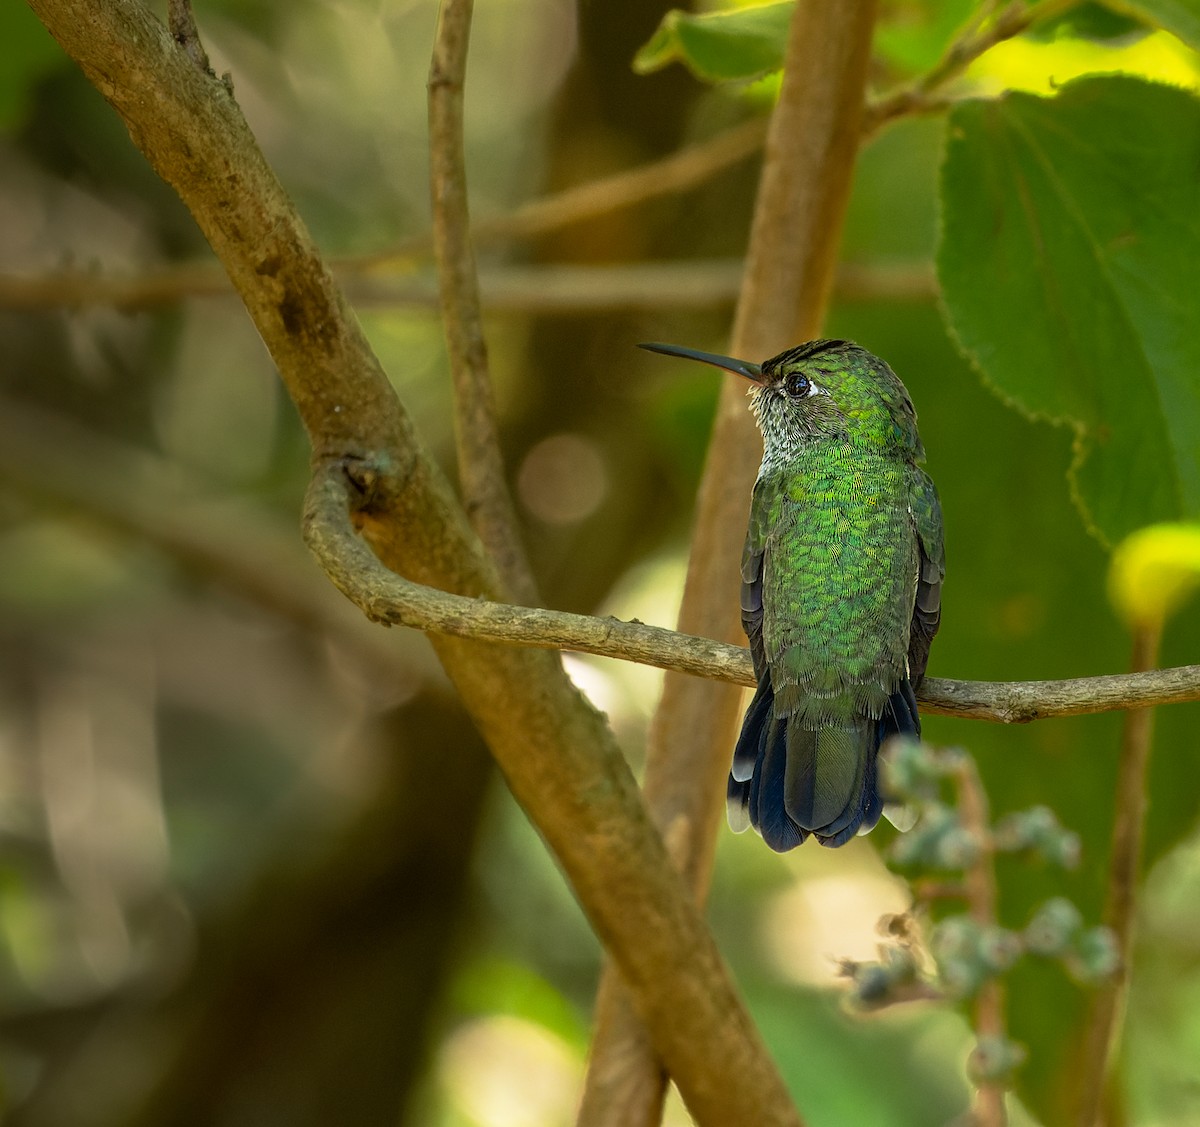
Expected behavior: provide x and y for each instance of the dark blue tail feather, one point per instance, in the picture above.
(757, 781)
(769, 815)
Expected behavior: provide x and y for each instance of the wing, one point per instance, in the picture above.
(926, 511)
(752, 575)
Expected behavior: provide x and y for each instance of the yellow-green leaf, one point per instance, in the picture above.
(720, 46)
(1154, 571)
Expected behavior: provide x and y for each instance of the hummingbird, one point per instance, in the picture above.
(841, 589)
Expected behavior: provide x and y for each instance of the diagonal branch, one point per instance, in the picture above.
(558, 754)
(480, 464)
(983, 32)
(678, 172)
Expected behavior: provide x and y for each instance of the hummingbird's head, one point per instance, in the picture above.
(822, 389)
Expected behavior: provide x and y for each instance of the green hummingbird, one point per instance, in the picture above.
(841, 589)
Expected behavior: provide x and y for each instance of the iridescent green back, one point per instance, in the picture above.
(839, 566)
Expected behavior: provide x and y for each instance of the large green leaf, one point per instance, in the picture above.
(1097, 22)
(1180, 17)
(1070, 269)
(720, 46)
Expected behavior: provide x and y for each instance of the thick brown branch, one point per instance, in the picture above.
(558, 754)
(480, 464)
(811, 147)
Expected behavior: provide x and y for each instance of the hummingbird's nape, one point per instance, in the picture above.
(841, 590)
(737, 367)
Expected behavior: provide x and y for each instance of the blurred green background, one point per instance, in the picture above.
(256, 868)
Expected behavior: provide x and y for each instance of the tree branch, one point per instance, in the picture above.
(982, 32)
(480, 464)
(392, 600)
(558, 755)
(184, 31)
(679, 172)
(135, 492)
(533, 289)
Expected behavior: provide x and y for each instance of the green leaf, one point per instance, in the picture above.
(913, 36)
(720, 46)
(1180, 17)
(1070, 271)
(1097, 22)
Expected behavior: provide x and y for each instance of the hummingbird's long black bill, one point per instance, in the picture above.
(738, 367)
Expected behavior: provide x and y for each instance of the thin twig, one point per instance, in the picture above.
(978, 37)
(480, 463)
(185, 32)
(982, 899)
(927, 890)
(367, 273)
(678, 172)
(389, 598)
(1103, 1030)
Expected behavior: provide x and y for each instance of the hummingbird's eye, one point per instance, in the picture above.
(798, 386)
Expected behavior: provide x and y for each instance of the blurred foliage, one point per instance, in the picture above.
(29, 53)
(1180, 17)
(1154, 571)
(720, 46)
(951, 945)
(187, 778)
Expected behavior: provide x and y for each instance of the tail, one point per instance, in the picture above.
(788, 781)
